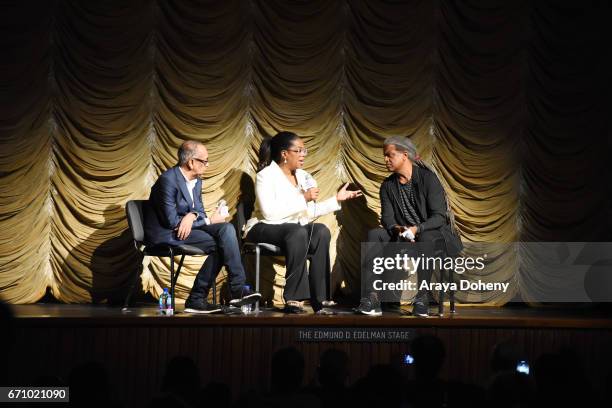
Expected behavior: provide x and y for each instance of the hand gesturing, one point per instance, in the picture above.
(345, 194)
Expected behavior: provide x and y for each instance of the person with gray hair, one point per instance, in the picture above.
(403, 144)
(414, 209)
(175, 215)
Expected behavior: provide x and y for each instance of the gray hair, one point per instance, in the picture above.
(403, 144)
(187, 151)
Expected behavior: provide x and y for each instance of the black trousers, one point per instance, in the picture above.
(293, 239)
(423, 274)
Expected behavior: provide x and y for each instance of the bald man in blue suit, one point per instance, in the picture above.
(175, 215)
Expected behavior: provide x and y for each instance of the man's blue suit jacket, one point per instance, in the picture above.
(168, 203)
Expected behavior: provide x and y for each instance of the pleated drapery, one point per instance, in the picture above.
(506, 100)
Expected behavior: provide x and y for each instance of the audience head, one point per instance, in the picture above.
(511, 389)
(182, 376)
(506, 355)
(428, 352)
(7, 341)
(216, 394)
(562, 370)
(383, 387)
(333, 368)
(285, 149)
(8, 326)
(89, 385)
(287, 370)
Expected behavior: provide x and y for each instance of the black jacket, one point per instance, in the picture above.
(430, 203)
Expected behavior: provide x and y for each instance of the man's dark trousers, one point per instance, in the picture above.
(381, 235)
(220, 242)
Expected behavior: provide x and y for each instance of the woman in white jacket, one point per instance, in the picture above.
(286, 204)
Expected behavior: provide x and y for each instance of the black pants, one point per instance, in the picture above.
(221, 244)
(293, 239)
(423, 274)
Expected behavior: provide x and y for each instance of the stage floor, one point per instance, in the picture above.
(520, 316)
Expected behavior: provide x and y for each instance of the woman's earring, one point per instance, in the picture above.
(285, 161)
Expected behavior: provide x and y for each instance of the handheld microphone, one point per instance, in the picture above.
(309, 182)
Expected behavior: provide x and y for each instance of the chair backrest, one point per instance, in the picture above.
(240, 216)
(240, 220)
(134, 210)
(450, 216)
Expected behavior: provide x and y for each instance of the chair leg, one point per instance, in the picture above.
(126, 303)
(214, 290)
(174, 276)
(329, 285)
(451, 293)
(171, 276)
(257, 261)
(441, 295)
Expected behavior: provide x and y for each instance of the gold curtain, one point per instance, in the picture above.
(504, 99)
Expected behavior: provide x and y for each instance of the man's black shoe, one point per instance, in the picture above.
(420, 309)
(201, 308)
(244, 297)
(369, 306)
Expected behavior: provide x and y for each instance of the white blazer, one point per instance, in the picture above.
(279, 201)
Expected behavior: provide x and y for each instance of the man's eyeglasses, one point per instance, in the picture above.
(204, 162)
(299, 151)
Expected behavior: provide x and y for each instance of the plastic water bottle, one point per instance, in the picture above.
(169, 309)
(165, 303)
(246, 309)
(162, 300)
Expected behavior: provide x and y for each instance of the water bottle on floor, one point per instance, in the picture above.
(165, 303)
(169, 308)
(246, 309)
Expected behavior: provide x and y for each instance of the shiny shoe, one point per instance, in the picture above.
(420, 309)
(369, 306)
(202, 308)
(245, 297)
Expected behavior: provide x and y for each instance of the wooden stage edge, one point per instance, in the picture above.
(60, 315)
(135, 347)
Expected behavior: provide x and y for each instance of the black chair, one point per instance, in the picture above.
(260, 249)
(135, 215)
